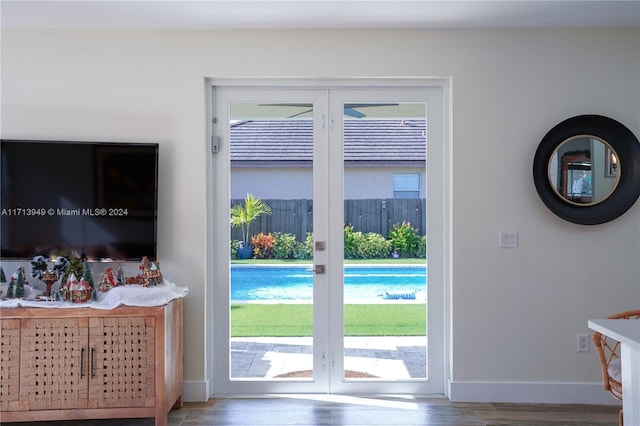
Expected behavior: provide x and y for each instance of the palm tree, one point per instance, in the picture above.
(243, 215)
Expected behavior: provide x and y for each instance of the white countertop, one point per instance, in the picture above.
(625, 331)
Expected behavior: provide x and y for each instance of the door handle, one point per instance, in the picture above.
(319, 269)
(93, 373)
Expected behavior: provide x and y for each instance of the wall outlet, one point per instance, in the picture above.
(583, 343)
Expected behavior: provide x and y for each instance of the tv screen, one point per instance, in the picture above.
(73, 198)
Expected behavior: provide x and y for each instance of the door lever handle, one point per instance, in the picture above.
(318, 269)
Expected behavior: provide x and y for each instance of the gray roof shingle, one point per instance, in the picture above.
(364, 141)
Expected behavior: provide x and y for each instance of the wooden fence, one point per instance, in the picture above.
(379, 215)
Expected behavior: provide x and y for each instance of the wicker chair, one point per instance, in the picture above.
(610, 358)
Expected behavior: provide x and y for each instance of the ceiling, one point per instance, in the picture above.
(317, 14)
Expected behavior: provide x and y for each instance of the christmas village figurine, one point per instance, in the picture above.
(111, 279)
(150, 273)
(74, 265)
(3, 279)
(40, 270)
(65, 287)
(72, 289)
(87, 276)
(82, 293)
(108, 280)
(10, 292)
(77, 291)
(16, 285)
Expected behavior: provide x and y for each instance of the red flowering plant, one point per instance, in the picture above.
(263, 245)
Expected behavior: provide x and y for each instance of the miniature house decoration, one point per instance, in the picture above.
(150, 275)
(82, 292)
(77, 291)
(111, 278)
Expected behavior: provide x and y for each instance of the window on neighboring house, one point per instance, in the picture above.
(406, 185)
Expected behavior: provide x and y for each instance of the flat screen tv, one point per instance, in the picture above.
(72, 198)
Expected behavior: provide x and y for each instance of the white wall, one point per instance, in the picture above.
(370, 183)
(360, 183)
(514, 313)
(272, 183)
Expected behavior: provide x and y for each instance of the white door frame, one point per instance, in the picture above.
(438, 225)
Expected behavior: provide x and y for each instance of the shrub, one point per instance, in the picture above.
(285, 246)
(422, 247)
(404, 239)
(364, 246)
(263, 245)
(235, 244)
(375, 246)
(305, 250)
(351, 242)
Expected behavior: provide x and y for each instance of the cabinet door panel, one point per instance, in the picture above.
(53, 373)
(9, 363)
(122, 362)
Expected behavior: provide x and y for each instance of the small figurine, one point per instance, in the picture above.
(16, 285)
(60, 264)
(40, 270)
(3, 279)
(120, 277)
(87, 275)
(77, 291)
(65, 289)
(70, 266)
(10, 291)
(150, 275)
(81, 291)
(109, 280)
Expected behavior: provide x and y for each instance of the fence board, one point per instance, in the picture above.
(374, 215)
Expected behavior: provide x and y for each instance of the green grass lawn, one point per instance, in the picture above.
(290, 320)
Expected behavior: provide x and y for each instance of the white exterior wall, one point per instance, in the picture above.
(360, 183)
(265, 183)
(513, 314)
(371, 183)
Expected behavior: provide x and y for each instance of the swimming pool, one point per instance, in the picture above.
(258, 283)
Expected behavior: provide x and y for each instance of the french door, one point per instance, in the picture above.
(354, 163)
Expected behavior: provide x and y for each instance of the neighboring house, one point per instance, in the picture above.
(383, 158)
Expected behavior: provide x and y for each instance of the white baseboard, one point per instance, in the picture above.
(527, 392)
(506, 392)
(193, 391)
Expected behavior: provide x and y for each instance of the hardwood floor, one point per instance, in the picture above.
(311, 410)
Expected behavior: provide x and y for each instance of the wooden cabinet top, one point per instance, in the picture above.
(47, 312)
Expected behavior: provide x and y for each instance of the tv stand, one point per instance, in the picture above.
(87, 363)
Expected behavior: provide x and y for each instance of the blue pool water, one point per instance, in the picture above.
(295, 283)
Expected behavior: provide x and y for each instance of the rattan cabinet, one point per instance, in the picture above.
(84, 363)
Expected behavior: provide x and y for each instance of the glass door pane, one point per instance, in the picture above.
(271, 282)
(384, 337)
(385, 284)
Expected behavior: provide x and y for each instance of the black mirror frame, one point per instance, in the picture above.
(621, 140)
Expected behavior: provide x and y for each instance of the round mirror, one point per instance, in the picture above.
(587, 169)
(583, 170)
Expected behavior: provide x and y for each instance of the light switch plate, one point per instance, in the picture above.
(508, 239)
